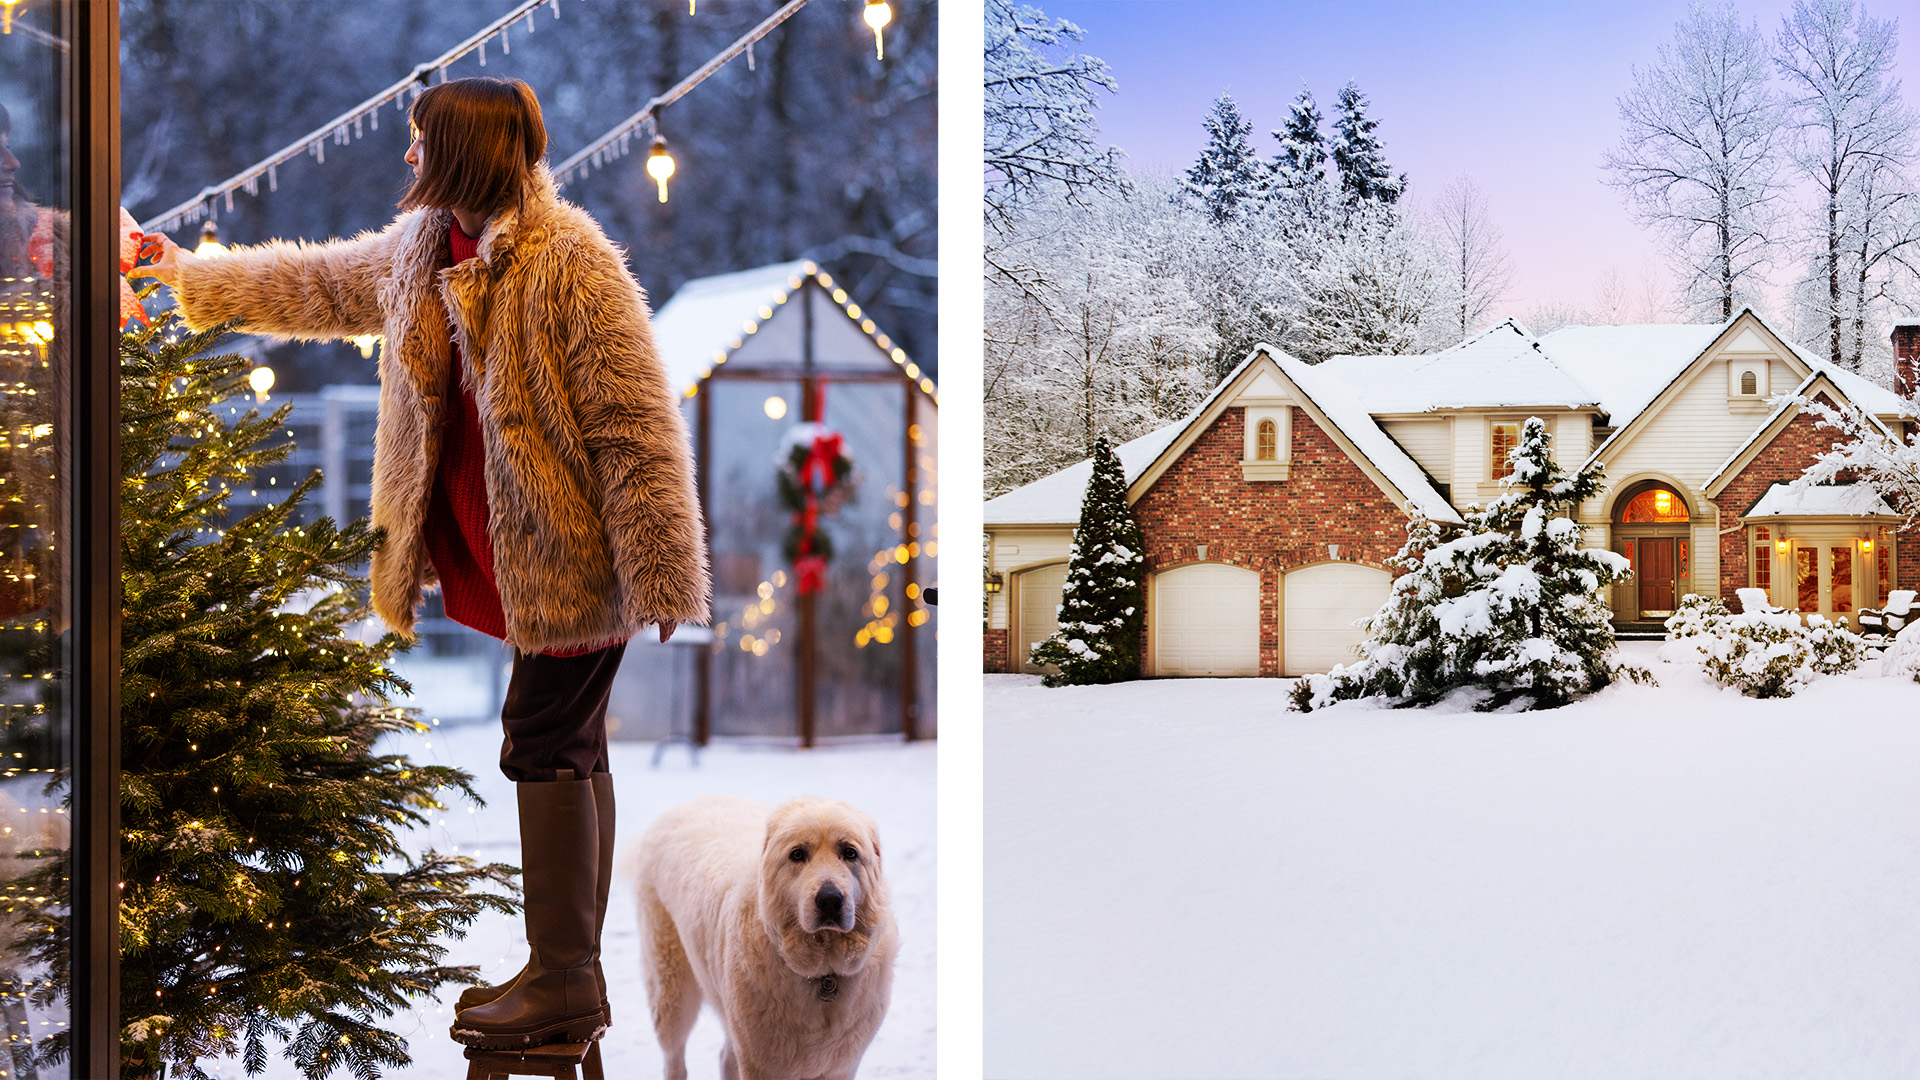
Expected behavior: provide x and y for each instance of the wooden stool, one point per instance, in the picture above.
(554, 1059)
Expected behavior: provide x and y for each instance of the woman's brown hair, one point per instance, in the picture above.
(481, 138)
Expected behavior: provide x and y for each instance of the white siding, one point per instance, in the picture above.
(1694, 434)
(1428, 442)
(1013, 551)
(1469, 457)
(1706, 558)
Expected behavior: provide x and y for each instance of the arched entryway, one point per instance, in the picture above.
(1651, 526)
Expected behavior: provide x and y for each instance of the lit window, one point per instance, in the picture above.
(1749, 383)
(1655, 504)
(1506, 436)
(1266, 445)
(1763, 566)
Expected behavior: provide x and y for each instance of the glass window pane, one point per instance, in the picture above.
(1807, 578)
(35, 575)
(1842, 571)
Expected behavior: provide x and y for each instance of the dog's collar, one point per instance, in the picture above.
(828, 986)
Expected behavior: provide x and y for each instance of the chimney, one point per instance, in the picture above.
(1906, 356)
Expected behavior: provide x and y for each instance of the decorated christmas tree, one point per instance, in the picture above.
(1511, 607)
(268, 893)
(1101, 613)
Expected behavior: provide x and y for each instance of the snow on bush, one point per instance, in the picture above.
(1902, 658)
(1770, 653)
(1510, 609)
(1697, 620)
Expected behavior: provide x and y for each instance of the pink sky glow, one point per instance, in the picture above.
(1519, 96)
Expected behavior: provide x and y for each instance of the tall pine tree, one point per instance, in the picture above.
(1358, 155)
(1229, 174)
(1512, 607)
(1101, 608)
(1301, 165)
(268, 893)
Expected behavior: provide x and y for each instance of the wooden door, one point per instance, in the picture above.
(1656, 575)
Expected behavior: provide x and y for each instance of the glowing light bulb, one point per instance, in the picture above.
(776, 407)
(365, 343)
(6, 24)
(261, 379)
(877, 15)
(210, 245)
(660, 164)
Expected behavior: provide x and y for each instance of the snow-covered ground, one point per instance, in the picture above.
(893, 782)
(1184, 880)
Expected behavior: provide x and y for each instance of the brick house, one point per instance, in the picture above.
(1269, 512)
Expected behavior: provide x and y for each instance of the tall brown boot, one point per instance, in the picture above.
(604, 815)
(557, 997)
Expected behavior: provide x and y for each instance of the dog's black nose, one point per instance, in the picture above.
(828, 902)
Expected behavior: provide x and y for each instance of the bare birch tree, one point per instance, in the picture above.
(1478, 270)
(1700, 158)
(1855, 136)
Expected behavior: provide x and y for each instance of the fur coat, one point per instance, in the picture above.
(594, 519)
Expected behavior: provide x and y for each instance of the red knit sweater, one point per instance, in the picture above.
(456, 525)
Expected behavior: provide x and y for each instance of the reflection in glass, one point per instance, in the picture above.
(35, 723)
(1842, 570)
(1807, 569)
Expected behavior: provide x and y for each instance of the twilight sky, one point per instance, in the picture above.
(1518, 95)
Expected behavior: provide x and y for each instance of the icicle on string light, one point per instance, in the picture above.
(345, 127)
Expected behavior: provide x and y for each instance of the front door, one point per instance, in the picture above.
(1655, 574)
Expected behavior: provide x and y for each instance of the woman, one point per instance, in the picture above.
(530, 456)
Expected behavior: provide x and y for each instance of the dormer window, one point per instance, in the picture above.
(1749, 383)
(1267, 442)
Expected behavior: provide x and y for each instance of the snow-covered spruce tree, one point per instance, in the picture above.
(1358, 155)
(1101, 611)
(1511, 607)
(1228, 174)
(267, 892)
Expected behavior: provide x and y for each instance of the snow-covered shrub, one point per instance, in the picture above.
(1902, 658)
(1836, 650)
(1512, 606)
(1770, 653)
(1100, 607)
(1697, 620)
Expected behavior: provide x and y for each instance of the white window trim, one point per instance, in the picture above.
(1251, 467)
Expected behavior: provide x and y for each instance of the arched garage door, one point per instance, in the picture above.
(1039, 610)
(1322, 603)
(1206, 621)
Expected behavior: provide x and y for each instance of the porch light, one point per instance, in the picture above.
(1781, 547)
(1866, 545)
(994, 581)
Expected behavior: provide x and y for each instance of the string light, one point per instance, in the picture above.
(877, 15)
(6, 24)
(660, 164)
(210, 245)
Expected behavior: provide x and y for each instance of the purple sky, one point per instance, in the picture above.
(1518, 96)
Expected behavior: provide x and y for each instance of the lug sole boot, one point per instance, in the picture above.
(604, 813)
(557, 997)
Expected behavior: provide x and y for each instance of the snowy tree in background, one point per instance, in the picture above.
(1102, 606)
(1511, 608)
(1857, 144)
(1477, 270)
(1113, 344)
(1375, 285)
(1358, 155)
(1300, 168)
(1041, 137)
(1701, 156)
(1229, 175)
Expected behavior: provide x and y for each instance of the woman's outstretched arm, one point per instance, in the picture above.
(313, 292)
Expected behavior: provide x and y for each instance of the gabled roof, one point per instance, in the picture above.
(1501, 366)
(1055, 499)
(705, 319)
(1626, 367)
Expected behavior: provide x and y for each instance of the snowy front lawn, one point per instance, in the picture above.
(1184, 880)
(893, 782)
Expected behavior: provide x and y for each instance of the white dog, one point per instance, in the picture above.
(780, 921)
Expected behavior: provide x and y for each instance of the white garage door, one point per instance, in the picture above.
(1039, 609)
(1206, 621)
(1322, 603)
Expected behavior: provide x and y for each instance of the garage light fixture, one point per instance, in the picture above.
(994, 582)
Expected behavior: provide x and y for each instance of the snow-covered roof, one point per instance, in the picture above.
(1626, 367)
(1335, 398)
(1851, 500)
(1500, 366)
(1055, 499)
(1877, 400)
(707, 315)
